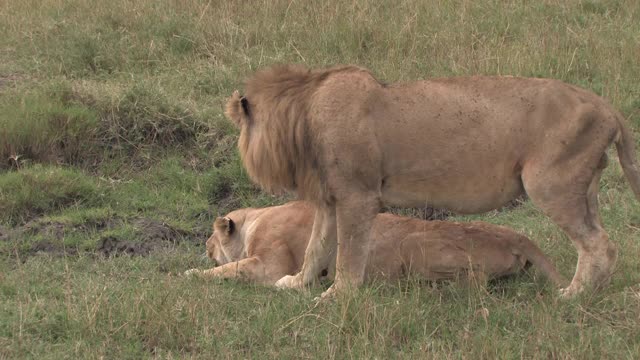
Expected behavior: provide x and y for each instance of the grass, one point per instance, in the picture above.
(39, 189)
(111, 131)
(133, 307)
(40, 124)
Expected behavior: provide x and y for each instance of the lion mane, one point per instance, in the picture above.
(277, 148)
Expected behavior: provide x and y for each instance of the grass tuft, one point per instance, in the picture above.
(36, 190)
(42, 125)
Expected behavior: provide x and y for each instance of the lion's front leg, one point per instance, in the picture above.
(317, 256)
(355, 216)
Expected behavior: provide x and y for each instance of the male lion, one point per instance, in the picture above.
(343, 140)
(263, 245)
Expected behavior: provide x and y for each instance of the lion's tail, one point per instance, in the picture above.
(626, 154)
(536, 257)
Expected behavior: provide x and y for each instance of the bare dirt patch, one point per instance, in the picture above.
(47, 247)
(157, 231)
(152, 235)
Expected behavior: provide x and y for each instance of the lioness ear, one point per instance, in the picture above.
(237, 109)
(231, 226)
(225, 225)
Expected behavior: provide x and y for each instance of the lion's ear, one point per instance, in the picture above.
(225, 225)
(245, 106)
(238, 109)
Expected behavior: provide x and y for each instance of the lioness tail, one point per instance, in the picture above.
(536, 257)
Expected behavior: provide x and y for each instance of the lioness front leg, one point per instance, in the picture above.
(319, 250)
(355, 216)
(250, 269)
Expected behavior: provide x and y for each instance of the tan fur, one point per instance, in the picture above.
(272, 163)
(348, 143)
(274, 240)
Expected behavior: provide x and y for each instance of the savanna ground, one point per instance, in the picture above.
(115, 158)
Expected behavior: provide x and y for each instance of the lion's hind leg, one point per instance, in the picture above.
(571, 201)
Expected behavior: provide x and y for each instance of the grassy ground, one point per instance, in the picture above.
(115, 157)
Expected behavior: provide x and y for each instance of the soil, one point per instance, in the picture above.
(47, 247)
(150, 235)
(156, 231)
(110, 246)
(153, 235)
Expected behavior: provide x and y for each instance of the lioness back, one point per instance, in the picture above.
(440, 250)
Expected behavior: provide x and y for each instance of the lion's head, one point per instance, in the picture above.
(225, 244)
(274, 143)
(277, 148)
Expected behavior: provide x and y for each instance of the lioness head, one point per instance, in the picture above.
(225, 244)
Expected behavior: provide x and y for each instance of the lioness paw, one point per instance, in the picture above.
(570, 291)
(289, 282)
(191, 272)
(326, 297)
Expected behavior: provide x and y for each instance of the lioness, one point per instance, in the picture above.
(263, 245)
(349, 143)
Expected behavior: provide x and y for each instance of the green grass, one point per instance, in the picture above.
(132, 307)
(41, 124)
(111, 129)
(37, 190)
